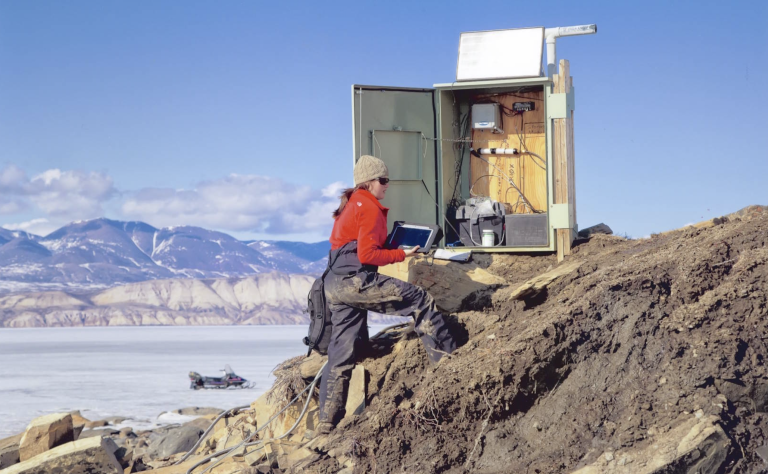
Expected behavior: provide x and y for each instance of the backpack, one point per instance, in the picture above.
(320, 325)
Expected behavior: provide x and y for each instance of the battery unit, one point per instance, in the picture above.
(477, 216)
(527, 230)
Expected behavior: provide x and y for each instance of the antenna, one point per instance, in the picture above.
(551, 35)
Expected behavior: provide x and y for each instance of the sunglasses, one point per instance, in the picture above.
(383, 181)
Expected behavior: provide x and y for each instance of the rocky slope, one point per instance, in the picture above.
(632, 356)
(637, 356)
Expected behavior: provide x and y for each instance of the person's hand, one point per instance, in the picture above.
(411, 251)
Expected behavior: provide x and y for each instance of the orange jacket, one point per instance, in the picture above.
(364, 219)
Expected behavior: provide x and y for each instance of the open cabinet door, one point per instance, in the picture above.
(398, 125)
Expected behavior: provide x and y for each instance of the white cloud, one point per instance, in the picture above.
(61, 195)
(39, 226)
(238, 203)
(334, 190)
(70, 194)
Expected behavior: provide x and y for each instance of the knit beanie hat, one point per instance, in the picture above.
(369, 167)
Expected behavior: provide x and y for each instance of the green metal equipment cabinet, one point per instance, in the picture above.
(421, 135)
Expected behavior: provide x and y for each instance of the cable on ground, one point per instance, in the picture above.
(226, 452)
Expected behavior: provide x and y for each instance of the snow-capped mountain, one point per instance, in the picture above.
(310, 258)
(104, 252)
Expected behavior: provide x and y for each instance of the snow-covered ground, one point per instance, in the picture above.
(136, 372)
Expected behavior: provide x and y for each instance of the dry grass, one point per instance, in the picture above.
(358, 450)
(288, 383)
(424, 413)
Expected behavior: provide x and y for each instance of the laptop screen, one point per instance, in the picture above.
(410, 236)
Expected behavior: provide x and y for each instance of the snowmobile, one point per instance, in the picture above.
(228, 379)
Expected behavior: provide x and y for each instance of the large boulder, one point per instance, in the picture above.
(78, 419)
(88, 456)
(44, 433)
(177, 440)
(9, 450)
(202, 423)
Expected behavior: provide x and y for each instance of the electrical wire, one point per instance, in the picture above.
(226, 452)
(472, 194)
(511, 183)
(508, 94)
(231, 411)
(284, 435)
(375, 144)
(447, 221)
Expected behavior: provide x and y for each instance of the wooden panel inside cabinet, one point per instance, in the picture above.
(525, 131)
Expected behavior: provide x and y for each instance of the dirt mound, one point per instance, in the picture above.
(645, 356)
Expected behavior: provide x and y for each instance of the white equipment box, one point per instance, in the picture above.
(487, 117)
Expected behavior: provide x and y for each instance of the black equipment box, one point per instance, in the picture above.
(406, 235)
(473, 218)
(527, 230)
(523, 106)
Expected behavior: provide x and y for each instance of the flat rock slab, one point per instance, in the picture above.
(535, 285)
(44, 433)
(98, 433)
(697, 445)
(179, 469)
(88, 456)
(356, 394)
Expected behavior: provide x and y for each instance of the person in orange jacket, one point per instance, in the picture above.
(353, 286)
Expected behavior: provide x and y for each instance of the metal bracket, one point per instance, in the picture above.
(560, 216)
(560, 105)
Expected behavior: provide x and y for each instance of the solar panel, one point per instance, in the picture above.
(500, 54)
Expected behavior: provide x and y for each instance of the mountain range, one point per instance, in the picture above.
(103, 252)
(266, 298)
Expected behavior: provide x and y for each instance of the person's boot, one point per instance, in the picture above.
(323, 428)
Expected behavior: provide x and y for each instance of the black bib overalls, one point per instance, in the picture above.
(352, 289)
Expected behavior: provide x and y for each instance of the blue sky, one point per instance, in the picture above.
(236, 115)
